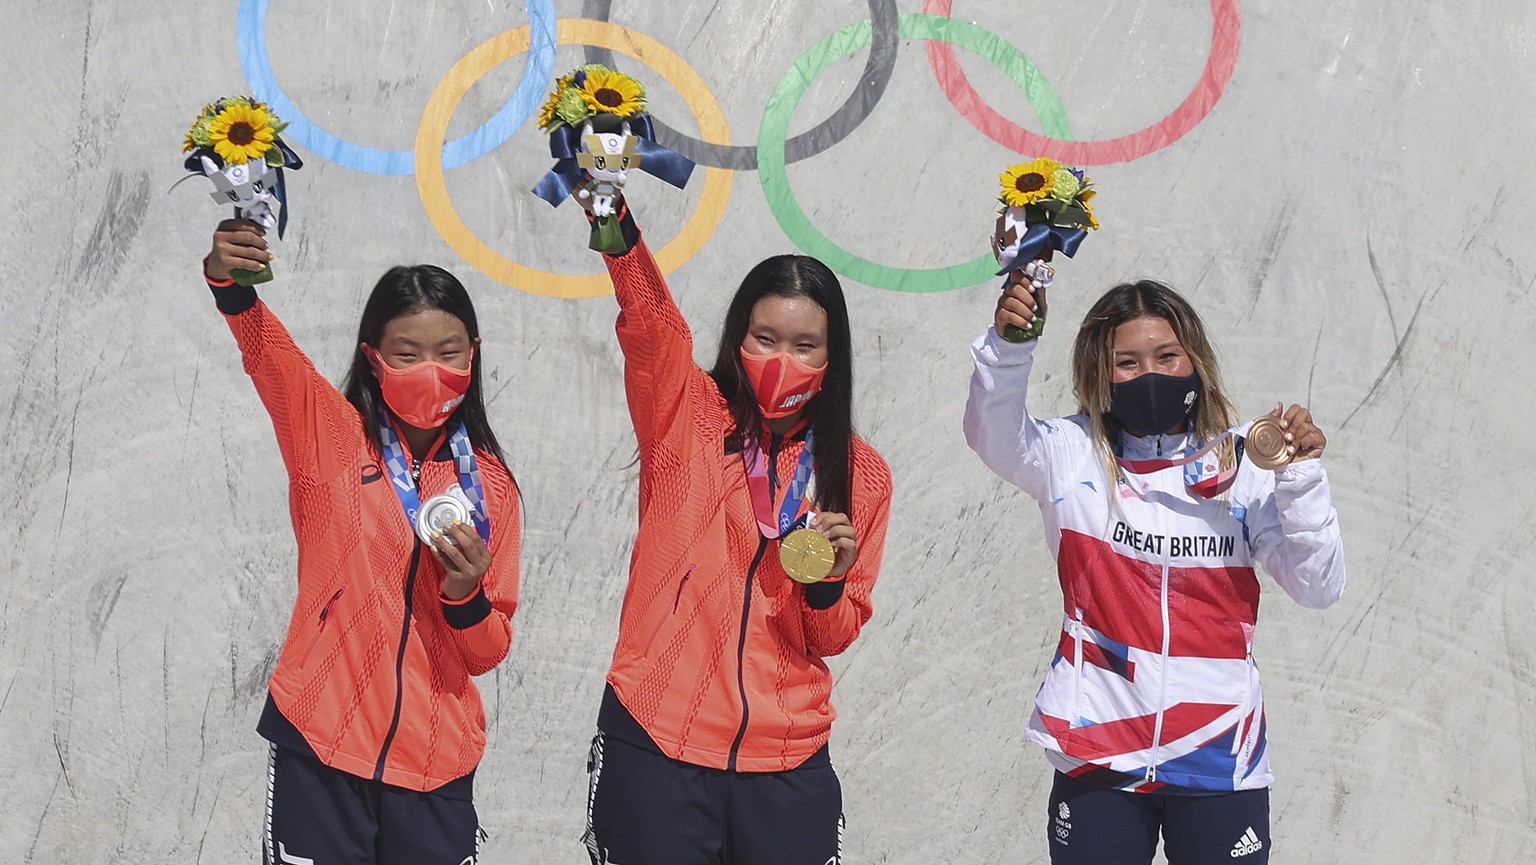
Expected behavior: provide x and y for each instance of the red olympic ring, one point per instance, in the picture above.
(1226, 27)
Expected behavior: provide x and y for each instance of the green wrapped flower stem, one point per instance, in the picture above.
(249, 278)
(1014, 333)
(607, 236)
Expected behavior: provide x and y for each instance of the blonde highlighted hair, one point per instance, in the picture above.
(1093, 362)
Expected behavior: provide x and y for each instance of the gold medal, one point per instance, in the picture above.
(1266, 445)
(807, 556)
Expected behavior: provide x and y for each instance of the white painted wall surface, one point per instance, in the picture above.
(1352, 219)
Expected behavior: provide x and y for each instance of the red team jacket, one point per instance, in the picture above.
(376, 668)
(719, 657)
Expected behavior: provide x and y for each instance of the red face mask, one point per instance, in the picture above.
(423, 394)
(783, 383)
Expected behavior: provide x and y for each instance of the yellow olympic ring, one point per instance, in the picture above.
(433, 131)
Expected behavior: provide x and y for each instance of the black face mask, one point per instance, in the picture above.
(1154, 403)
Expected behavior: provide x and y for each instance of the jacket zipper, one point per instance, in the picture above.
(405, 631)
(741, 652)
(1162, 688)
(746, 609)
(1079, 633)
(325, 613)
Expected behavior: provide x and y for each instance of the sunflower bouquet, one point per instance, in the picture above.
(235, 143)
(599, 130)
(1046, 208)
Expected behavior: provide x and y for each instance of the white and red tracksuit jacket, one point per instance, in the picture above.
(1153, 686)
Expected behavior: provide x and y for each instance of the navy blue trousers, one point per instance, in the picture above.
(645, 808)
(317, 815)
(1093, 825)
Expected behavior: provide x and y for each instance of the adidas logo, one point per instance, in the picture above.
(1249, 843)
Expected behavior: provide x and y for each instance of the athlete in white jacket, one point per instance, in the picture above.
(1151, 710)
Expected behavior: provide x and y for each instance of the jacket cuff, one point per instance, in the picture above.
(1300, 474)
(991, 349)
(231, 297)
(468, 612)
(822, 595)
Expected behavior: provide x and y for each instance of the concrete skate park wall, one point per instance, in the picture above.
(1341, 188)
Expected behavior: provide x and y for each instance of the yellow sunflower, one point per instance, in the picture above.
(1027, 184)
(241, 133)
(547, 113)
(608, 92)
(548, 119)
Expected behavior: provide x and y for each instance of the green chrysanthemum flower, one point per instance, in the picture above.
(570, 107)
(1065, 185)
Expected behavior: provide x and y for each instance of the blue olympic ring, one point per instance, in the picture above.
(251, 36)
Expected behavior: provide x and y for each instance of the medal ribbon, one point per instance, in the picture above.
(1208, 488)
(405, 488)
(776, 520)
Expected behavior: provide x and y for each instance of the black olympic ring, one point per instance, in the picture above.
(885, 38)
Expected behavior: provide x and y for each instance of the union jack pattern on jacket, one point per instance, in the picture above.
(1153, 685)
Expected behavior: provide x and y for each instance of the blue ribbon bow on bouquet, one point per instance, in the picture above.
(598, 130)
(655, 160)
(1042, 236)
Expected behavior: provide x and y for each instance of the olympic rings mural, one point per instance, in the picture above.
(774, 150)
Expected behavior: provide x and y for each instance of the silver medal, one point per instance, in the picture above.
(440, 512)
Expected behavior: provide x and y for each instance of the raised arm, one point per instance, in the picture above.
(307, 411)
(998, 426)
(658, 346)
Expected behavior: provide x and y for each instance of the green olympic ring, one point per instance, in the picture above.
(774, 131)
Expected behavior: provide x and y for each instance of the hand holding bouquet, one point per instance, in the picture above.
(1046, 209)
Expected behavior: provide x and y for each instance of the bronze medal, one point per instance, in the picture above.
(807, 556)
(1266, 445)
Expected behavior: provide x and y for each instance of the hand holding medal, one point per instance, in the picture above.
(598, 131)
(235, 143)
(464, 556)
(812, 546)
(1045, 209)
(453, 524)
(1276, 440)
(826, 549)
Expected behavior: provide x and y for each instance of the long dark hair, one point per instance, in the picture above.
(401, 291)
(831, 412)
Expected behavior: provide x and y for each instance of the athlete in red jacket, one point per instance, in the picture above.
(713, 729)
(375, 723)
